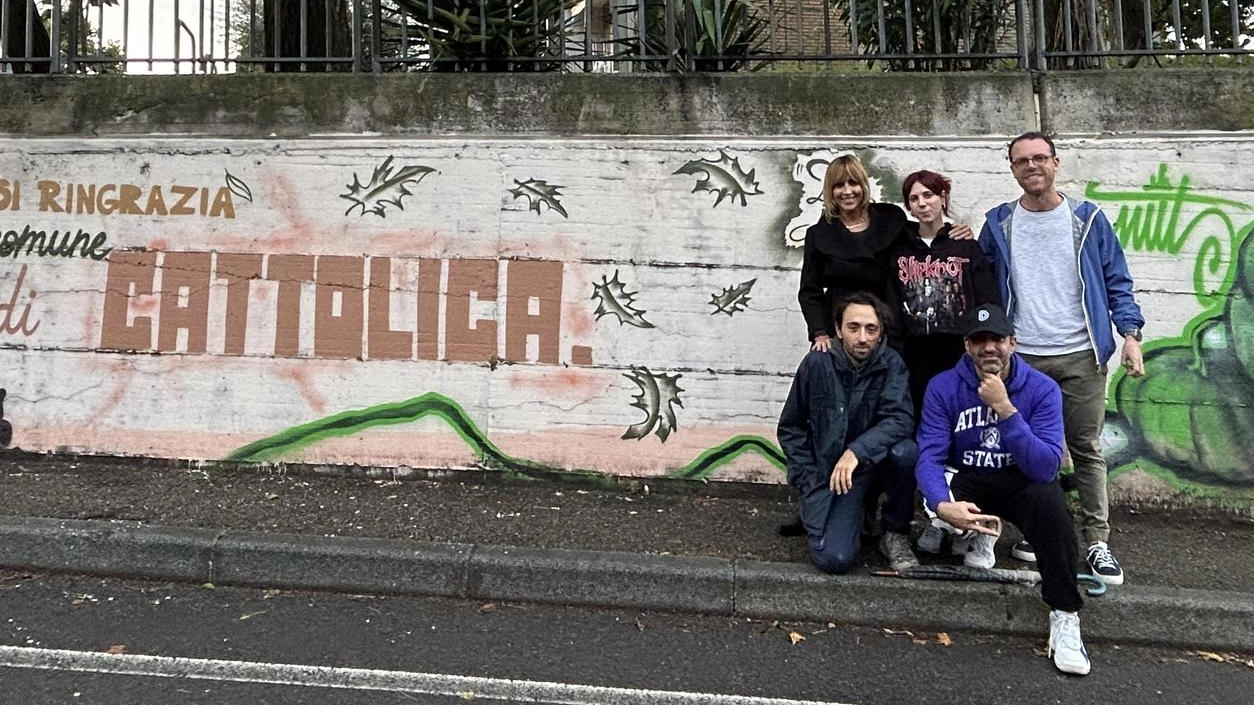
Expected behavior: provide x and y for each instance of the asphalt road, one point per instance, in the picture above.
(64, 628)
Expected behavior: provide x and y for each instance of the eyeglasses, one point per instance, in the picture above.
(1036, 160)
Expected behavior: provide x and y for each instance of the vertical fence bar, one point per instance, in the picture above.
(1095, 43)
(642, 32)
(690, 35)
(827, 29)
(1120, 45)
(1235, 11)
(1067, 29)
(853, 26)
(304, 34)
(328, 12)
(587, 36)
(879, 7)
(1175, 19)
(801, 37)
(937, 45)
(71, 54)
(909, 32)
(5, 66)
(1021, 35)
(376, 35)
(178, 40)
(359, 56)
(718, 33)
(1040, 33)
(1206, 24)
(1149, 30)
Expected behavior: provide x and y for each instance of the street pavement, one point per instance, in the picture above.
(709, 549)
(105, 641)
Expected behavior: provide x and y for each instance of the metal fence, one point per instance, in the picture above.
(237, 36)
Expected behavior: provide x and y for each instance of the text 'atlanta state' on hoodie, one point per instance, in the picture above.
(957, 429)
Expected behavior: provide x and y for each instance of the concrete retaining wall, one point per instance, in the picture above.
(544, 272)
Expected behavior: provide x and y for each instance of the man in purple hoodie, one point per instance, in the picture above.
(996, 424)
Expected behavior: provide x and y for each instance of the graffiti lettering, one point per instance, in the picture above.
(9, 307)
(10, 195)
(351, 302)
(910, 270)
(1149, 221)
(81, 244)
(122, 199)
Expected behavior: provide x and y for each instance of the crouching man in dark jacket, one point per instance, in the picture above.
(845, 429)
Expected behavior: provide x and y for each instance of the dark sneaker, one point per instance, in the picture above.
(1023, 551)
(931, 539)
(1103, 564)
(1065, 645)
(896, 548)
(791, 527)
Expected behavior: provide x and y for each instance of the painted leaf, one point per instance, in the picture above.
(613, 298)
(795, 638)
(732, 299)
(384, 189)
(722, 177)
(539, 192)
(657, 398)
(238, 187)
(943, 639)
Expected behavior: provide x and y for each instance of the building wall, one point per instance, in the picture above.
(620, 304)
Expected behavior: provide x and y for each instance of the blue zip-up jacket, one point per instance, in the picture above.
(1105, 282)
(960, 431)
(831, 407)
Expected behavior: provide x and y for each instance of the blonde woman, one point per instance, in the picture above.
(849, 249)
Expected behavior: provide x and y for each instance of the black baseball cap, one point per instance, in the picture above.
(989, 318)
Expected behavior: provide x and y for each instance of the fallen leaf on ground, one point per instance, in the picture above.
(269, 496)
(270, 592)
(898, 632)
(795, 638)
(639, 624)
(209, 586)
(920, 642)
(466, 695)
(116, 649)
(1211, 656)
(250, 615)
(487, 607)
(943, 639)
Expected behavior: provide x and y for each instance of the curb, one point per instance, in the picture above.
(1209, 619)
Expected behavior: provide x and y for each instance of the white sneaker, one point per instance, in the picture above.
(980, 551)
(1065, 645)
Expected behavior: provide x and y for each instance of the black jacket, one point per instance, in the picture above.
(831, 407)
(836, 262)
(934, 287)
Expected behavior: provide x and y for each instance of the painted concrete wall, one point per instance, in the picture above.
(616, 304)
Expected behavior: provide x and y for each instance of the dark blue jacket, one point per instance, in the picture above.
(960, 431)
(1105, 281)
(832, 407)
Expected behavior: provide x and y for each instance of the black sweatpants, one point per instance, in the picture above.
(1040, 512)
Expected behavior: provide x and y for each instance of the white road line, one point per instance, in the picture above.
(364, 679)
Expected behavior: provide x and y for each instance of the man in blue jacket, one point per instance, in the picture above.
(846, 431)
(1066, 285)
(996, 424)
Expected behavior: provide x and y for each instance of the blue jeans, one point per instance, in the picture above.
(835, 549)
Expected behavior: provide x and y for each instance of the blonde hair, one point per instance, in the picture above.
(845, 168)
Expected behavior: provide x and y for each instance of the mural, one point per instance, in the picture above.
(146, 288)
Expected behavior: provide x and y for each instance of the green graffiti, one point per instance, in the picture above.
(1192, 409)
(1149, 220)
(349, 422)
(707, 462)
(437, 405)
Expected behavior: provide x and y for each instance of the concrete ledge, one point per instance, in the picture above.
(341, 564)
(122, 549)
(1135, 614)
(683, 583)
(796, 591)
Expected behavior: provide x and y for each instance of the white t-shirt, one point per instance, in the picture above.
(1044, 269)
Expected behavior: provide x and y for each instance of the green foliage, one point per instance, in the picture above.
(487, 35)
(938, 27)
(735, 26)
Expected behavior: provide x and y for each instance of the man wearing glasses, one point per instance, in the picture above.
(1066, 286)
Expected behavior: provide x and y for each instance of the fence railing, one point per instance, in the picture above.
(237, 36)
